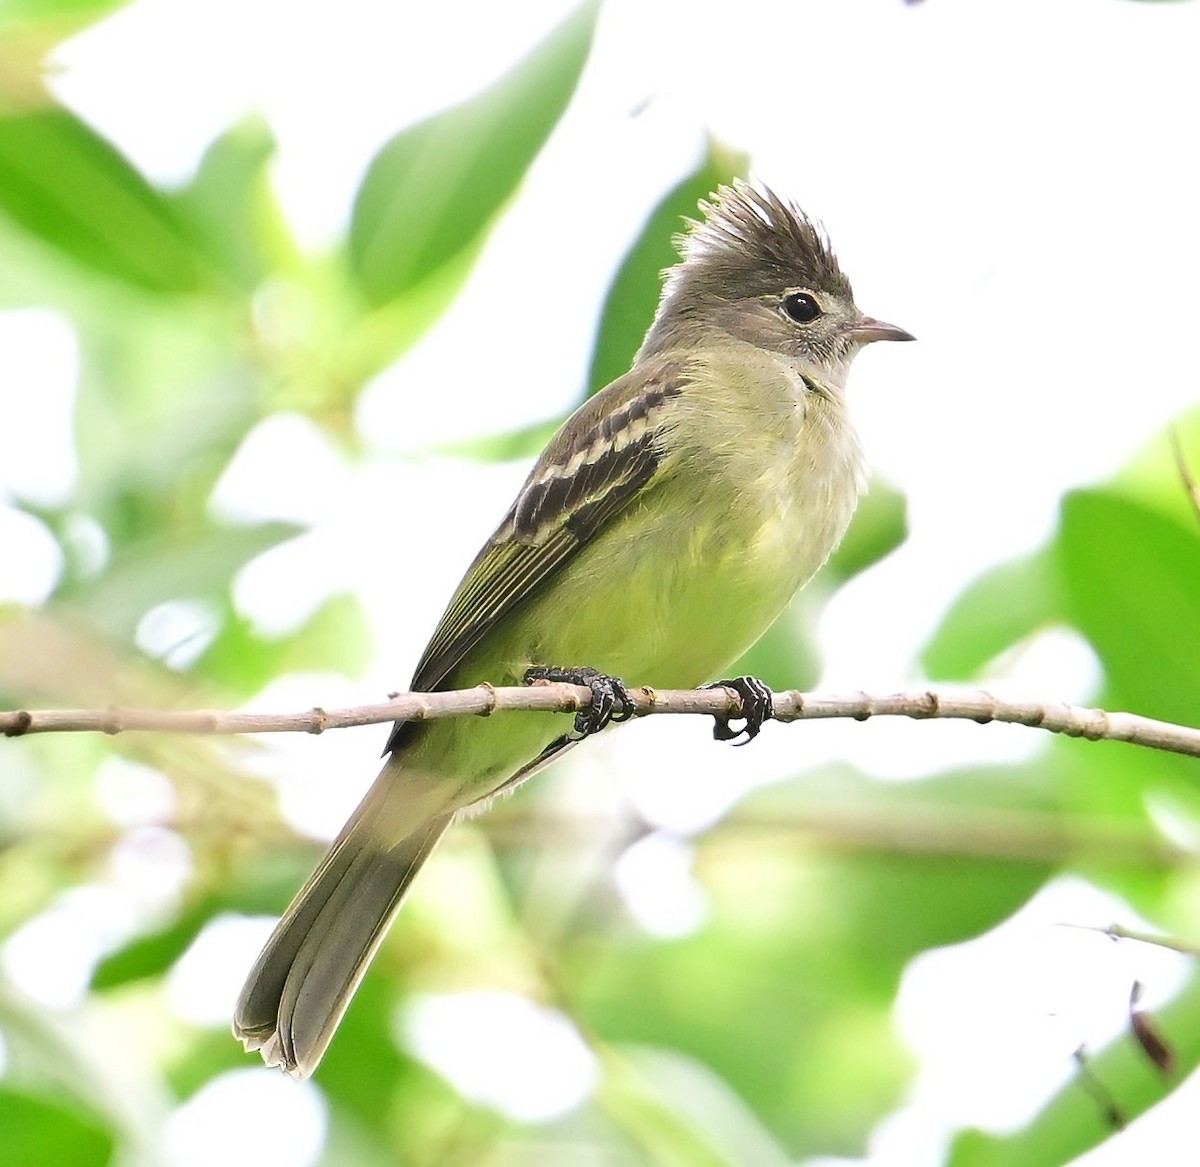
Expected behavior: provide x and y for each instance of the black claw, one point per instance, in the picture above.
(758, 705)
(610, 696)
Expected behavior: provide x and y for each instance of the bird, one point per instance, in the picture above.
(666, 524)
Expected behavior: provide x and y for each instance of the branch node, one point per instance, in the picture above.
(733, 702)
(23, 719)
(987, 716)
(1098, 726)
(113, 723)
(929, 705)
(320, 720)
(490, 690)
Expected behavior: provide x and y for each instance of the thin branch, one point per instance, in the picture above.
(1185, 471)
(1117, 932)
(978, 706)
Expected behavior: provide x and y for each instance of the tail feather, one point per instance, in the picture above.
(303, 980)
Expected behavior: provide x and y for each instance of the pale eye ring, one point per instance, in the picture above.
(802, 307)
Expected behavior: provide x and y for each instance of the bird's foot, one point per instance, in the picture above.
(610, 696)
(758, 705)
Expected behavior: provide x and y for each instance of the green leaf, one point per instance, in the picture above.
(1112, 568)
(154, 954)
(633, 298)
(40, 1133)
(230, 202)
(197, 1062)
(1133, 586)
(187, 563)
(823, 933)
(1076, 1120)
(722, 992)
(525, 442)
(997, 611)
(158, 417)
(962, 850)
(364, 1070)
(71, 13)
(680, 1113)
(434, 189)
(628, 307)
(879, 526)
(1159, 473)
(72, 189)
(373, 339)
(263, 891)
(29, 30)
(335, 637)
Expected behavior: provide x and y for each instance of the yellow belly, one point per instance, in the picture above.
(659, 599)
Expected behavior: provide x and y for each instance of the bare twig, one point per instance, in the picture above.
(1185, 471)
(1071, 720)
(1101, 1095)
(1146, 1032)
(1117, 932)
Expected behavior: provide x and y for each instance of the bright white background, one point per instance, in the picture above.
(1012, 180)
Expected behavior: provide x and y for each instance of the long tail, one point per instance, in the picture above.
(304, 978)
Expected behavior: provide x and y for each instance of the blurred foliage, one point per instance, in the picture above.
(763, 1035)
(432, 190)
(633, 297)
(1074, 1121)
(39, 1133)
(1121, 570)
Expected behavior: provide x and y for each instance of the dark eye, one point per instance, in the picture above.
(801, 307)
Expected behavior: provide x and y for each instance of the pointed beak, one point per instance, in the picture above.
(868, 329)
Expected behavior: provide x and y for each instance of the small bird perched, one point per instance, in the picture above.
(665, 526)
